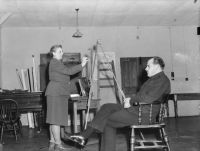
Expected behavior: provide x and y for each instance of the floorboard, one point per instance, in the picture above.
(183, 133)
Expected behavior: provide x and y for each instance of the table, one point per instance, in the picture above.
(80, 103)
(28, 102)
(175, 97)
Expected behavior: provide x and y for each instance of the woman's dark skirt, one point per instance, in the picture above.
(57, 110)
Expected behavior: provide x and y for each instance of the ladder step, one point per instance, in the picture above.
(106, 78)
(105, 69)
(106, 86)
(150, 147)
(105, 62)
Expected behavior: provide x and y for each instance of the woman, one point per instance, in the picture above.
(57, 92)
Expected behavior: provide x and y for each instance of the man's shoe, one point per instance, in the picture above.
(60, 147)
(79, 139)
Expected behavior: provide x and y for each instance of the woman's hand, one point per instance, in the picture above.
(84, 61)
(127, 102)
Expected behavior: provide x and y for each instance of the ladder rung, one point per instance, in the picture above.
(104, 69)
(105, 78)
(150, 141)
(106, 86)
(105, 62)
(150, 146)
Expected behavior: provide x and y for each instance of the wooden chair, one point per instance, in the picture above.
(150, 132)
(9, 117)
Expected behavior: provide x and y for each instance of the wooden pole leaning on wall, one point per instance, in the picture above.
(19, 78)
(92, 86)
(34, 74)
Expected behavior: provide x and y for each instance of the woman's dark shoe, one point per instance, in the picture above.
(79, 139)
(51, 146)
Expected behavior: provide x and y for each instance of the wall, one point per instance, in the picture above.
(0, 58)
(19, 44)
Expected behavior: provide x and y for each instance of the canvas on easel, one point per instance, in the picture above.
(84, 86)
(105, 58)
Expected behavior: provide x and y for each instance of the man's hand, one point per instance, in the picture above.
(127, 102)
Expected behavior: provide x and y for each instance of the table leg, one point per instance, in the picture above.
(83, 119)
(38, 121)
(167, 108)
(75, 117)
(175, 106)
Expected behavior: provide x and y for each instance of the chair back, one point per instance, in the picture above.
(150, 131)
(152, 113)
(8, 110)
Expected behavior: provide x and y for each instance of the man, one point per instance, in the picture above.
(112, 116)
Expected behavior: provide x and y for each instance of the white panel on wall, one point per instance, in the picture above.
(0, 58)
(185, 108)
(185, 59)
(189, 108)
(171, 109)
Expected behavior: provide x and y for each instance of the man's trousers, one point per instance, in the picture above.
(110, 117)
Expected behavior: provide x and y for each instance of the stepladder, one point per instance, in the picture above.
(106, 84)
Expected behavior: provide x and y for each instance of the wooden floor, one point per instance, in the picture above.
(183, 132)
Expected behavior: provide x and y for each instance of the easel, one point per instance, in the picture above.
(94, 61)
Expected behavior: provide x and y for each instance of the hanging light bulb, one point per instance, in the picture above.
(77, 34)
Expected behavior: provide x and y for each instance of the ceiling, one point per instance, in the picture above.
(61, 13)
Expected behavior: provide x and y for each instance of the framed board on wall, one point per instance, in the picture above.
(133, 73)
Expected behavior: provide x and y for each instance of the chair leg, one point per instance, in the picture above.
(165, 138)
(132, 140)
(2, 133)
(19, 126)
(15, 132)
